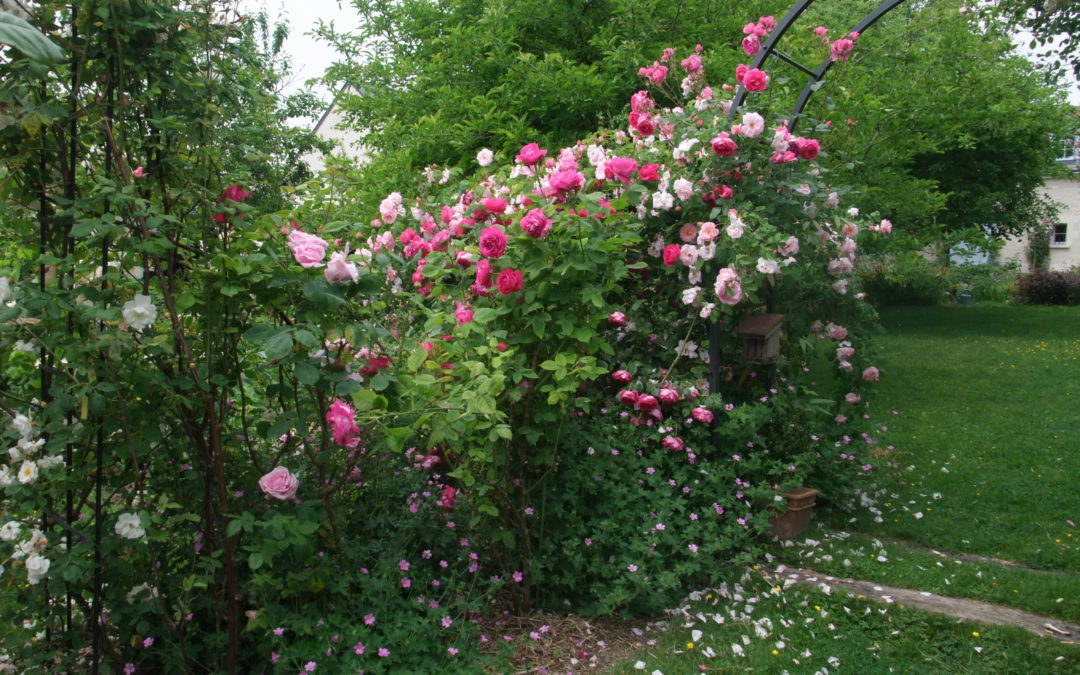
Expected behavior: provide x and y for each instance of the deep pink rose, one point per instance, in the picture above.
(841, 49)
(536, 224)
(692, 63)
(307, 249)
(483, 277)
(628, 396)
(871, 374)
(669, 396)
(671, 254)
(530, 154)
(723, 145)
(751, 44)
(740, 72)
(497, 206)
(342, 424)
(755, 80)
(640, 102)
(509, 281)
(673, 443)
(449, 498)
(234, 194)
(463, 313)
(492, 242)
(649, 172)
(617, 319)
(622, 376)
(647, 403)
(340, 269)
(279, 484)
(702, 414)
(809, 148)
(620, 168)
(644, 125)
(562, 182)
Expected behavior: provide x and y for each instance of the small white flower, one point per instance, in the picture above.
(766, 266)
(129, 526)
(853, 211)
(23, 425)
(485, 157)
(10, 531)
(26, 347)
(5, 476)
(28, 472)
(663, 201)
(140, 312)
(50, 462)
(690, 295)
(37, 567)
(5, 289)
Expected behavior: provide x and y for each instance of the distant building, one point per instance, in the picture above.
(349, 142)
(1065, 235)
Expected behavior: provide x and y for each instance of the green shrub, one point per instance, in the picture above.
(1049, 288)
(996, 283)
(904, 279)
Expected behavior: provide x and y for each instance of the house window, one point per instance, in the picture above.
(1060, 236)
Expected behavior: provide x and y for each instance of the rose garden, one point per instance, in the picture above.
(435, 416)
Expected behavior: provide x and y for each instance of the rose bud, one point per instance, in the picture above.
(622, 376)
(617, 319)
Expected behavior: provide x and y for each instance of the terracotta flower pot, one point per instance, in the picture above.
(796, 518)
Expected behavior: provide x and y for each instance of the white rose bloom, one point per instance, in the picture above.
(50, 462)
(5, 476)
(753, 125)
(28, 447)
(663, 201)
(853, 211)
(36, 568)
(140, 312)
(10, 531)
(596, 155)
(28, 472)
(129, 526)
(23, 425)
(766, 266)
(485, 157)
(5, 289)
(27, 347)
(690, 295)
(684, 189)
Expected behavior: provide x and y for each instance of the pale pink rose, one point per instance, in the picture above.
(845, 366)
(871, 374)
(841, 419)
(484, 157)
(752, 125)
(885, 226)
(841, 286)
(139, 172)
(835, 332)
(852, 397)
(684, 190)
(688, 232)
(279, 484)
(702, 414)
(817, 326)
(848, 248)
(708, 232)
(342, 423)
(391, 208)
(850, 229)
(340, 269)
(844, 352)
(307, 249)
(688, 254)
(766, 266)
(673, 443)
(790, 247)
(727, 286)
(840, 266)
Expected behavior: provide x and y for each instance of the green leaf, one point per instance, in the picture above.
(380, 382)
(256, 560)
(28, 40)
(279, 346)
(307, 373)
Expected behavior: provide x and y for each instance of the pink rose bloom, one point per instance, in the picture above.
(641, 102)
(845, 366)
(463, 313)
(622, 376)
(809, 148)
(702, 414)
(835, 332)
(307, 249)
(740, 72)
(841, 49)
(755, 80)
(483, 277)
(790, 247)
(463, 259)
(850, 229)
(692, 63)
(562, 182)
(617, 319)
(840, 266)
(671, 254)
(727, 286)
(646, 403)
(343, 427)
(817, 326)
(530, 154)
(509, 281)
(139, 172)
(884, 227)
(852, 397)
(688, 232)
(628, 396)
(669, 396)
(723, 145)
(492, 242)
(844, 352)
(536, 224)
(841, 419)
(279, 484)
(820, 31)
(649, 172)
(871, 374)
(673, 443)
(708, 232)
(751, 44)
(340, 269)
(620, 168)
(497, 205)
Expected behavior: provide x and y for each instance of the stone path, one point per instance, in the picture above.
(968, 610)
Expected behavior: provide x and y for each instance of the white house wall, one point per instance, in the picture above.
(1062, 257)
(349, 141)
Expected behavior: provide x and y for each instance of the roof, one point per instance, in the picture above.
(759, 325)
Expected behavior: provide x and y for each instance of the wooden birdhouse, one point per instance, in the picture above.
(760, 335)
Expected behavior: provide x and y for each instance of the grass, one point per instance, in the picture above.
(986, 452)
(988, 398)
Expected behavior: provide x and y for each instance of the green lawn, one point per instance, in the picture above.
(987, 446)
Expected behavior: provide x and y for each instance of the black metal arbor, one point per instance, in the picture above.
(770, 49)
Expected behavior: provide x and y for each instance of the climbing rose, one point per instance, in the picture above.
(673, 443)
(727, 286)
(702, 414)
(620, 168)
(617, 319)
(871, 374)
(340, 269)
(841, 49)
(530, 154)
(646, 403)
(671, 254)
(809, 148)
(723, 145)
(279, 484)
(628, 396)
(307, 249)
(509, 281)
(492, 242)
(484, 157)
(669, 396)
(536, 224)
(755, 80)
(622, 376)
(342, 424)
